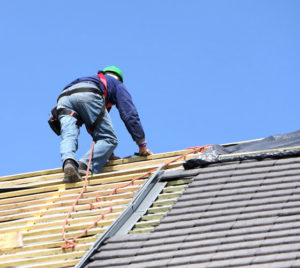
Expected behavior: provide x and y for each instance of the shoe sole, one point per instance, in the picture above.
(71, 174)
(83, 172)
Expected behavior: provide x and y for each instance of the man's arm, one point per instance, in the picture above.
(131, 119)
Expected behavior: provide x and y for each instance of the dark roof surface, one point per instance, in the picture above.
(236, 214)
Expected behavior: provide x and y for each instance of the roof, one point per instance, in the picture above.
(35, 205)
(236, 214)
(236, 209)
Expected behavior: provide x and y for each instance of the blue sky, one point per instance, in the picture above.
(200, 72)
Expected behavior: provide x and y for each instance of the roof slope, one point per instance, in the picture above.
(36, 204)
(236, 214)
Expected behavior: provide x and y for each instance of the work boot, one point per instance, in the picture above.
(71, 171)
(114, 157)
(82, 168)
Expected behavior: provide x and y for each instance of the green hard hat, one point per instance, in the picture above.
(115, 70)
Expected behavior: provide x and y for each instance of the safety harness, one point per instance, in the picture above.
(54, 122)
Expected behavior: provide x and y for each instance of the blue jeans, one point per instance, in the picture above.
(88, 105)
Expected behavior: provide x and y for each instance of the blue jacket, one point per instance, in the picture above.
(118, 95)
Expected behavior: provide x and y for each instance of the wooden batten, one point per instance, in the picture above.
(36, 204)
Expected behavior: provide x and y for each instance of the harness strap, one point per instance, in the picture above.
(64, 111)
(102, 112)
(103, 81)
(78, 90)
(98, 119)
(108, 106)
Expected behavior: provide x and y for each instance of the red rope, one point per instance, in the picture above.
(71, 243)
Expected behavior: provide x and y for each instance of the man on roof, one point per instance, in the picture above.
(88, 100)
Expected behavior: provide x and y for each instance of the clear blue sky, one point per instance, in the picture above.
(200, 72)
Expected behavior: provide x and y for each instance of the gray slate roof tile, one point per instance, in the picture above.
(132, 237)
(115, 253)
(124, 245)
(224, 209)
(165, 240)
(272, 264)
(109, 262)
(283, 201)
(238, 214)
(150, 264)
(160, 248)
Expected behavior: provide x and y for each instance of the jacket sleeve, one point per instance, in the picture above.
(129, 114)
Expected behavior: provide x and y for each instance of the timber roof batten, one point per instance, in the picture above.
(35, 204)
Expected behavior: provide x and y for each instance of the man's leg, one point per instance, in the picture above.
(68, 147)
(88, 106)
(105, 143)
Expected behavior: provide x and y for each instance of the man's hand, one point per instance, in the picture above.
(143, 151)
